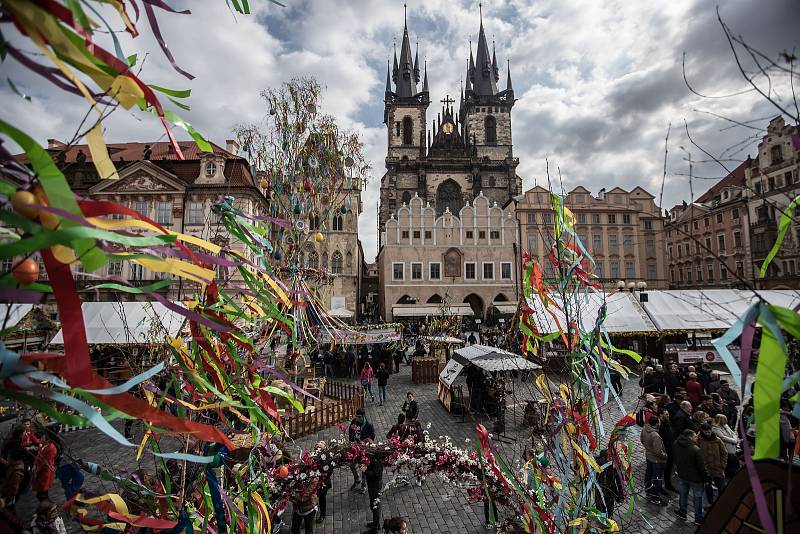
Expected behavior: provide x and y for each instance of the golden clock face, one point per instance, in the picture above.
(447, 128)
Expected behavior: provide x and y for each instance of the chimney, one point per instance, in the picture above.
(232, 146)
(55, 144)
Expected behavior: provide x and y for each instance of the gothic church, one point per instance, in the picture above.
(466, 152)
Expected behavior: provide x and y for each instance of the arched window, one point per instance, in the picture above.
(406, 198)
(491, 129)
(337, 223)
(448, 195)
(349, 262)
(435, 299)
(336, 263)
(408, 134)
(324, 260)
(492, 181)
(211, 169)
(313, 260)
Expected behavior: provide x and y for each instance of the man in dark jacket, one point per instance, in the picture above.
(360, 430)
(682, 418)
(668, 437)
(410, 407)
(675, 404)
(691, 474)
(374, 477)
(673, 380)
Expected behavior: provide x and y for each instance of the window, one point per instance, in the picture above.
(531, 218)
(142, 206)
(469, 234)
(481, 234)
(505, 270)
(598, 268)
(699, 273)
(547, 218)
(777, 154)
(627, 241)
(597, 243)
(612, 242)
(740, 268)
(612, 218)
(492, 181)
(211, 168)
(719, 218)
(723, 272)
(788, 178)
(435, 271)
(721, 242)
(494, 234)
(630, 270)
(708, 244)
(397, 271)
(404, 234)
(706, 222)
(710, 271)
(115, 268)
(195, 215)
(336, 263)
(757, 187)
(488, 271)
(685, 228)
(614, 269)
(652, 273)
(416, 271)
(313, 260)
(669, 251)
(626, 218)
(137, 272)
(689, 274)
(533, 245)
(337, 223)
(672, 275)
(581, 218)
(648, 225)
(469, 270)
(595, 218)
(164, 212)
(697, 247)
(735, 213)
(771, 183)
(428, 234)
(650, 246)
(490, 124)
(417, 234)
(737, 239)
(408, 131)
(695, 225)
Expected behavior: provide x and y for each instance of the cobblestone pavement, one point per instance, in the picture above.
(432, 508)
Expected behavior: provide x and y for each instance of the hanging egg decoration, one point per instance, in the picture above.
(277, 255)
(25, 272)
(319, 237)
(20, 200)
(297, 208)
(343, 209)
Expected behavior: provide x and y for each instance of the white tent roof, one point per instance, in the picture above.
(491, 358)
(422, 310)
(444, 339)
(624, 314)
(125, 323)
(708, 309)
(504, 364)
(15, 313)
(341, 313)
(505, 307)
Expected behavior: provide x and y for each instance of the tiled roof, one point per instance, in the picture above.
(735, 178)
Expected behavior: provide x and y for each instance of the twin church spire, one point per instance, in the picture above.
(482, 75)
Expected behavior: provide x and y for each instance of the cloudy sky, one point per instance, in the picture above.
(598, 82)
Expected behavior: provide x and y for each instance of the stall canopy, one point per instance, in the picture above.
(505, 307)
(342, 313)
(696, 310)
(423, 310)
(450, 340)
(126, 323)
(492, 359)
(13, 313)
(363, 335)
(624, 314)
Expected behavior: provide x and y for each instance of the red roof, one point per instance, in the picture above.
(735, 178)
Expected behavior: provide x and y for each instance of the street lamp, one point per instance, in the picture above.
(518, 247)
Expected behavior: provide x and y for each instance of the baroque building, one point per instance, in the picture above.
(464, 153)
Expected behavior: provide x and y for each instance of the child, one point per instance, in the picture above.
(47, 520)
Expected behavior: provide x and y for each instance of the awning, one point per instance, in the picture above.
(444, 339)
(504, 364)
(342, 313)
(693, 310)
(127, 323)
(624, 313)
(492, 358)
(361, 336)
(423, 310)
(505, 307)
(13, 313)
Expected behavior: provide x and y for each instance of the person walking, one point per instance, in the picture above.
(350, 362)
(668, 438)
(397, 356)
(730, 440)
(716, 458)
(44, 468)
(410, 408)
(366, 380)
(691, 474)
(383, 381)
(360, 430)
(322, 490)
(656, 457)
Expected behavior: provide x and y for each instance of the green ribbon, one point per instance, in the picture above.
(770, 373)
(786, 221)
(65, 236)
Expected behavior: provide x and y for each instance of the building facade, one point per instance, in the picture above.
(465, 152)
(621, 230)
(453, 258)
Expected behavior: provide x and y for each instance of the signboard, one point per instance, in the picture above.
(704, 356)
(450, 373)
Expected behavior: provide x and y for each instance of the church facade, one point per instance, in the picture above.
(464, 152)
(464, 155)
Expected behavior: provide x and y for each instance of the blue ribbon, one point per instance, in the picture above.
(216, 460)
(721, 344)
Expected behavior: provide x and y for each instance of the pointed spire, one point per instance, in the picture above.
(495, 70)
(416, 64)
(462, 93)
(407, 75)
(468, 87)
(395, 69)
(425, 82)
(508, 80)
(483, 75)
(388, 79)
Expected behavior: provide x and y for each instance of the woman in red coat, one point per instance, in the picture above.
(44, 468)
(694, 390)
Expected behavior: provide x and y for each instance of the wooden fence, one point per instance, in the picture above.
(425, 370)
(343, 401)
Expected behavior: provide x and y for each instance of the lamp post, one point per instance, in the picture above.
(518, 247)
(640, 287)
